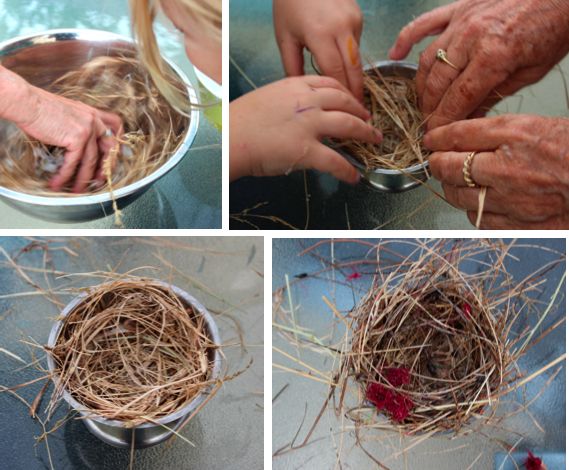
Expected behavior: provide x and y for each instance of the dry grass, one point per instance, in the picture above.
(152, 129)
(133, 351)
(392, 102)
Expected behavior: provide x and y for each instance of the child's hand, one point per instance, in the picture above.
(279, 128)
(330, 29)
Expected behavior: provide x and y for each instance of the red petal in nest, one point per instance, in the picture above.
(400, 407)
(533, 462)
(379, 395)
(467, 309)
(354, 275)
(397, 376)
(396, 404)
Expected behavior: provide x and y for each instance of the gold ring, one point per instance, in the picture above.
(442, 57)
(466, 170)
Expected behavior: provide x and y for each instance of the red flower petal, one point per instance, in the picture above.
(532, 462)
(379, 395)
(467, 309)
(400, 407)
(354, 275)
(397, 376)
(396, 404)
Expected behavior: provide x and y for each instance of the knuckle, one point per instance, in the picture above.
(335, 68)
(82, 133)
(472, 30)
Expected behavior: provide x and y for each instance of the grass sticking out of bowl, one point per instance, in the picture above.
(393, 104)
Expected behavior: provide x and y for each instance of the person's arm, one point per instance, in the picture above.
(279, 128)
(15, 97)
(330, 30)
(81, 130)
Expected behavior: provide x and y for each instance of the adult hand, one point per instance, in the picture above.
(523, 160)
(279, 128)
(330, 29)
(497, 47)
(80, 129)
(53, 120)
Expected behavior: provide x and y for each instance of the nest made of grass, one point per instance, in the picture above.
(432, 347)
(153, 130)
(393, 104)
(133, 351)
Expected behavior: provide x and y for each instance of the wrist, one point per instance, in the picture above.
(17, 96)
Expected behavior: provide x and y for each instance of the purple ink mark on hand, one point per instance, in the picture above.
(303, 110)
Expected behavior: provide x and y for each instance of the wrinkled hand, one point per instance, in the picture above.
(498, 47)
(78, 128)
(279, 128)
(330, 29)
(523, 161)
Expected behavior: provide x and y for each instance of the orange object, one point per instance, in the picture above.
(352, 51)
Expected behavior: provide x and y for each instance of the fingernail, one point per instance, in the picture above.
(378, 135)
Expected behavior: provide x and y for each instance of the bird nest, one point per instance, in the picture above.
(393, 104)
(153, 130)
(132, 351)
(435, 346)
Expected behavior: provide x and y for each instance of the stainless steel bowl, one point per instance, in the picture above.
(392, 181)
(145, 435)
(41, 59)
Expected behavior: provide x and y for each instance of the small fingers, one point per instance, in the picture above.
(352, 64)
(334, 100)
(293, 57)
(330, 61)
(328, 161)
(319, 81)
(339, 125)
(428, 24)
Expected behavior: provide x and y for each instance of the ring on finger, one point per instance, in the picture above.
(467, 170)
(442, 57)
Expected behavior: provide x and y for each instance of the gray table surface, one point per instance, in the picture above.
(335, 205)
(190, 195)
(435, 453)
(227, 432)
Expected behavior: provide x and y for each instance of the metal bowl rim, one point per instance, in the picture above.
(213, 330)
(71, 201)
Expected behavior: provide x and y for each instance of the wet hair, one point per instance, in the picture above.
(206, 12)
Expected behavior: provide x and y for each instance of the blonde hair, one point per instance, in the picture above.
(206, 12)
